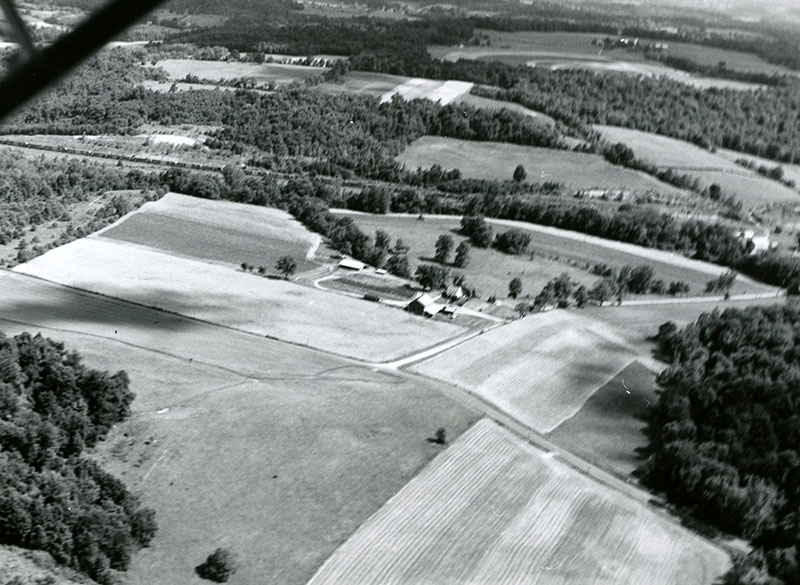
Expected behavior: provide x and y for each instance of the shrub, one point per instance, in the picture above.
(218, 567)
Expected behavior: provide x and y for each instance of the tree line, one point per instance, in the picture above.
(724, 438)
(52, 496)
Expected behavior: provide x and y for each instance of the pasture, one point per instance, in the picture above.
(555, 251)
(492, 509)
(277, 452)
(497, 160)
(220, 231)
(548, 49)
(540, 369)
(488, 270)
(608, 429)
(685, 158)
(277, 73)
(227, 296)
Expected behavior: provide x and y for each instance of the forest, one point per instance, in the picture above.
(52, 496)
(724, 439)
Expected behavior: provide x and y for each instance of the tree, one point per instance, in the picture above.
(286, 266)
(603, 290)
(218, 567)
(401, 247)
(398, 265)
(581, 295)
(462, 255)
(440, 437)
(515, 288)
(513, 241)
(382, 240)
(444, 244)
(432, 277)
(639, 279)
(520, 174)
(479, 232)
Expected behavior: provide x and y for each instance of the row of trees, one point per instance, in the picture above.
(53, 497)
(724, 438)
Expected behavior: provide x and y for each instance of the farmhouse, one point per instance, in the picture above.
(352, 264)
(454, 292)
(424, 304)
(760, 242)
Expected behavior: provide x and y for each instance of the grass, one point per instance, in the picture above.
(221, 294)
(488, 270)
(540, 369)
(608, 429)
(276, 452)
(790, 171)
(497, 160)
(495, 105)
(362, 82)
(563, 47)
(748, 186)
(280, 74)
(491, 509)
(443, 92)
(383, 286)
(217, 230)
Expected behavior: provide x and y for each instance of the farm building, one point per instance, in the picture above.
(454, 292)
(352, 264)
(424, 304)
(760, 242)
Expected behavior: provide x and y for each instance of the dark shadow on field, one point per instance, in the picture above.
(610, 426)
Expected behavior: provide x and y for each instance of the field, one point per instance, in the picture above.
(576, 50)
(494, 510)
(494, 105)
(279, 74)
(790, 171)
(497, 160)
(540, 369)
(443, 92)
(362, 82)
(224, 295)
(490, 271)
(217, 230)
(278, 452)
(384, 286)
(748, 186)
(608, 429)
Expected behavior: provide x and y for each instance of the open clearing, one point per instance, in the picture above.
(494, 105)
(608, 429)
(277, 452)
(443, 92)
(218, 230)
(279, 74)
(490, 271)
(540, 369)
(497, 160)
(748, 186)
(492, 509)
(790, 171)
(363, 82)
(223, 295)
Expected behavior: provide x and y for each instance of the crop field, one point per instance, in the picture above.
(497, 160)
(443, 92)
(751, 188)
(540, 369)
(223, 295)
(385, 286)
(492, 509)
(218, 230)
(363, 82)
(280, 74)
(790, 171)
(564, 46)
(277, 452)
(488, 270)
(608, 429)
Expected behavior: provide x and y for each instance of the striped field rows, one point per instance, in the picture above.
(493, 510)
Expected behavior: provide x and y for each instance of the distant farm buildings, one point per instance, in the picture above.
(454, 293)
(425, 305)
(352, 264)
(605, 194)
(760, 242)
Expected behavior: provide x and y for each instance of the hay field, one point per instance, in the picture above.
(492, 509)
(494, 105)
(540, 369)
(443, 92)
(224, 295)
(708, 167)
(608, 430)
(218, 230)
(280, 74)
(277, 452)
(488, 270)
(497, 160)
(363, 82)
